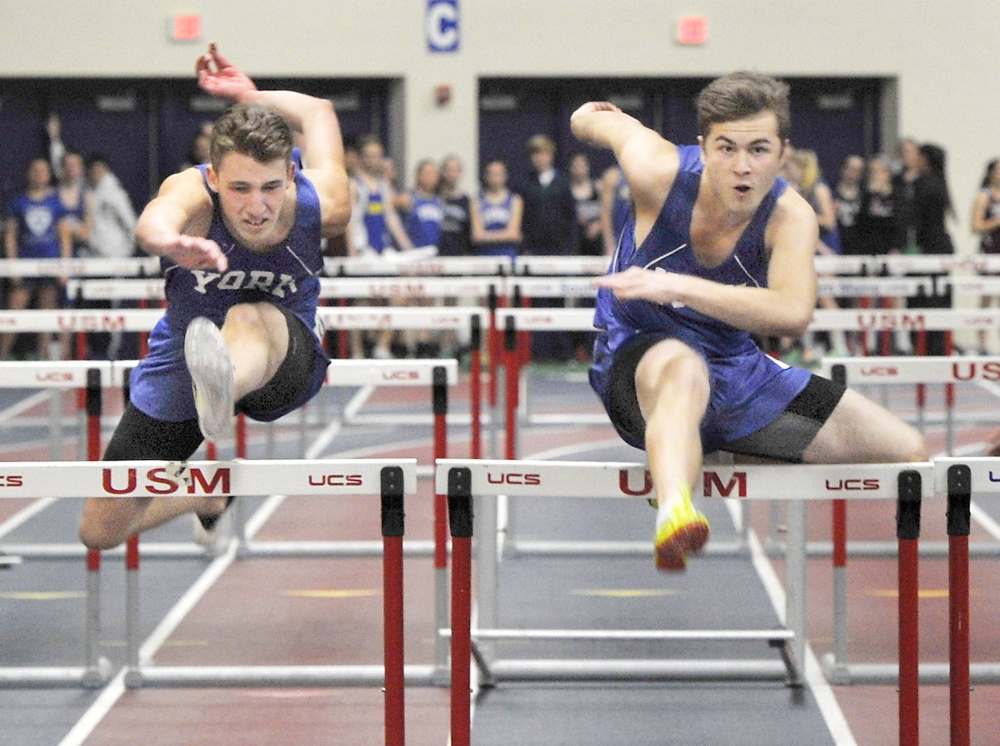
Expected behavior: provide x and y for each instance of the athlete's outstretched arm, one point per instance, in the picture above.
(312, 118)
(649, 161)
(783, 308)
(164, 225)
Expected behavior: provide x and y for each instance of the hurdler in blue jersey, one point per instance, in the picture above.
(240, 247)
(716, 250)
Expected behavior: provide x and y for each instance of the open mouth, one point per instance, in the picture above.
(743, 189)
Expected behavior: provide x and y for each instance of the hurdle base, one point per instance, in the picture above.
(881, 549)
(644, 549)
(326, 549)
(591, 671)
(55, 677)
(887, 674)
(270, 676)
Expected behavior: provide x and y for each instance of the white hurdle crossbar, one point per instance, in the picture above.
(121, 479)
(918, 370)
(794, 483)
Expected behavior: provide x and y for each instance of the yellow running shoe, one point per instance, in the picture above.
(683, 533)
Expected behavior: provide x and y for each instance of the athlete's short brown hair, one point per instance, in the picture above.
(740, 95)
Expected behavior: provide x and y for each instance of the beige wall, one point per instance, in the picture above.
(940, 53)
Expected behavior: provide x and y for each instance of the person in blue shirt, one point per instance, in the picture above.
(496, 214)
(421, 207)
(36, 226)
(716, 250)
(240, 247)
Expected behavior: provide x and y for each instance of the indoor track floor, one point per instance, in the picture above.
(205, 610)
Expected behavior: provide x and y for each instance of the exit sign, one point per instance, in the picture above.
(692, 29)
(186, 27)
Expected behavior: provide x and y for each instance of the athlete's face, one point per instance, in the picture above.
(742, 160)
(252, 195)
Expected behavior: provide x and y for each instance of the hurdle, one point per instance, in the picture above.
(402, 265)
(55, 375)
(390, 479)
(466, 480)
(889, 370)
(76, 267)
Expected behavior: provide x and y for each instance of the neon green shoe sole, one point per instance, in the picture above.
(680, 536)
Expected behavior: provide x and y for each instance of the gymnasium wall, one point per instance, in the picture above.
(938, 54)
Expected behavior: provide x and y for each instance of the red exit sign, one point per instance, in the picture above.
(692, 29)
(186, 27)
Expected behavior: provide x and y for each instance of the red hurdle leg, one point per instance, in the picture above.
(460, 521)
(475, 387)
(908, 533)
(959, 525)
(392, 605)
(512, 359)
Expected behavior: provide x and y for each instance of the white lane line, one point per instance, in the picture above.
(24, 515)
(116, 688)
(826, 700)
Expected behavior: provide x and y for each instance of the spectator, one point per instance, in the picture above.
(496, 217)
(548, 226)
(68, 167)
(421, 207)
(35, 227)
(587, 195)
(374, 227)
(931, 208)
(818, 194)
(374, 220)
(986, 224)
(422, 216)
(803, 174)
(549, 223)
(198, 149)
(881, 228)
(113, 224)
(847, 203)
(456, 227)
(907, 171)
(112, 235)
(616, 204)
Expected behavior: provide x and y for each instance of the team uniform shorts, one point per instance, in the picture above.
(751, 391)
(298, 378)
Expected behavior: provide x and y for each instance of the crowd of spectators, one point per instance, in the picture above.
(900, 204)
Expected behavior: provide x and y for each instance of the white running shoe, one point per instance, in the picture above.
(214, 532)
(212, 374)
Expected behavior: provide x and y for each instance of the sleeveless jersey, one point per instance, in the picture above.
(286, 276)
(990, 243)
(423, 221)
(748, 389)
(496, 216)
(374, 215)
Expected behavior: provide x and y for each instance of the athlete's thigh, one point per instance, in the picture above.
(671, 368)
(861, 431)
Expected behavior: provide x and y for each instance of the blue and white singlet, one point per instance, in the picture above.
(286, 276)
(748, 388)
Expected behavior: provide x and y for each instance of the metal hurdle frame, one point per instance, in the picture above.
(91, 377)
(465, 480)
(439, 374)
(403, 265)
(391, 479)
(902, 370)
(960, 479)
